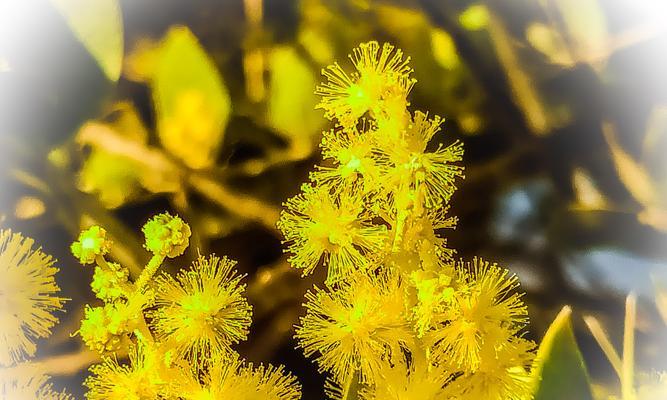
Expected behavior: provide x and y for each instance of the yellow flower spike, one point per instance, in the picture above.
(92, 242)
(137, 380)
(318, 225)
(359, 326)
(28, 297)
(484, 307)
(203, 311)
(382, 76)
(166, 235)
(372, 216)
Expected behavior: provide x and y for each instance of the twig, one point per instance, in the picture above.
(244, 206)
(66, 364)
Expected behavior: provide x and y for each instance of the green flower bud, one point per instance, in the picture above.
(166, 235)
(92, 242)
(95, 330)
(108, 284)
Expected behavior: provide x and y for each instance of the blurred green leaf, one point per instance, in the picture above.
(192, 103)
(121, 164)
(98, 25)
(112, 177)
(292, 101)
(559, 371)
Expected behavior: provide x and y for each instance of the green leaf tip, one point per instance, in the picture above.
(559, 371)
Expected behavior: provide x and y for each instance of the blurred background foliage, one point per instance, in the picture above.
(112, 111)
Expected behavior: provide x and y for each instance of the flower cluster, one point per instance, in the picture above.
(399, 318)
(179, 330)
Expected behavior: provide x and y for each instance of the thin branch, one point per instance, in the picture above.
(67, 364)
(244, 206)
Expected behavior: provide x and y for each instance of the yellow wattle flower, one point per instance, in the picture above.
(230, 378)
(109, 284)
(352, 156)
(414, 380)
(502, 372)
(410, 165)
(138, 379)
(318, 225)
(382, 77)
(28, 297)
(483, 309)
(358, 326)
(202, 311)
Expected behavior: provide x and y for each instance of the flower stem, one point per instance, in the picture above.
(149, 271)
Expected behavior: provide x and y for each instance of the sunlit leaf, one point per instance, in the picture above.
(408, 22)
(291, 101)
(192, 104)
(559, 371)
(98, 25)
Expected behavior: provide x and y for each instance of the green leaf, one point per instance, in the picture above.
(98, 25)
(559, 371)
(192, 103)
(291, 108)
